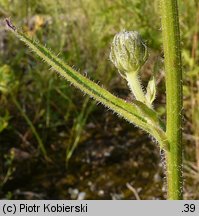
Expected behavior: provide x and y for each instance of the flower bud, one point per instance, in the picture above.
(128, 52)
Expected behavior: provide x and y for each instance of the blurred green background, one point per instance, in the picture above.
(56, 143)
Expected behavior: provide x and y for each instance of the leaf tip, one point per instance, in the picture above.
(9, 25)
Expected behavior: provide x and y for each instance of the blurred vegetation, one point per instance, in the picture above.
(56, 143)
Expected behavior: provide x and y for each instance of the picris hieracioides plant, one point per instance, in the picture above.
(128, 54)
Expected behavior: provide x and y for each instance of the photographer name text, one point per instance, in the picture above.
(44, 208)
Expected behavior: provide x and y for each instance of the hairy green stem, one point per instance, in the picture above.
(136, 88)
(173, 68)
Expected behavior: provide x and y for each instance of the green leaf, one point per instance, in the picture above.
(128, 111)
(151, 90)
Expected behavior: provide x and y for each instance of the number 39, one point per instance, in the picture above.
(189, 208)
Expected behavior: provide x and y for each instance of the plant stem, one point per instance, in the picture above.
(32, 127)
(136, 88)
(173, 68)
